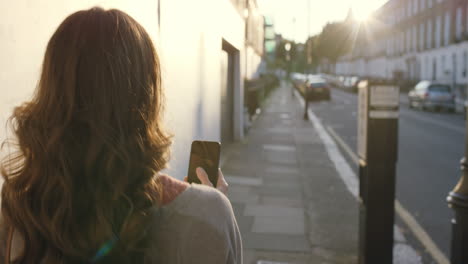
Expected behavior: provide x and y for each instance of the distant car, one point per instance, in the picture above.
(298, 79)
(429, 95)
(350, 83)
(336, 81)
(318, 89)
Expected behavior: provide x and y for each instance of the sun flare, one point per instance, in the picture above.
(362, 10)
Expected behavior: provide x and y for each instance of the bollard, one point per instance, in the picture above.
(458, 201)
(377, 149)
(306, 98)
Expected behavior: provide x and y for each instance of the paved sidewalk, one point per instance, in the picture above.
(291, 204)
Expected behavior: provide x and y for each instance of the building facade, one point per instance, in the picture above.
(207, 48)
(415, 40)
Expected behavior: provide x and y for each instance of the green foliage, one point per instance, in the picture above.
(334, 41)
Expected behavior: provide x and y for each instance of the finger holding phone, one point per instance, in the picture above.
(204, 165)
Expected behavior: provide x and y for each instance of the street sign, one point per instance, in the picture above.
(384, 101)
(377, 149)
(363, 104)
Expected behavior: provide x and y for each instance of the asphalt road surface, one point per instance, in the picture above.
(430, 149)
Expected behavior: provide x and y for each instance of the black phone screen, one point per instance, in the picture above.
(204, 154)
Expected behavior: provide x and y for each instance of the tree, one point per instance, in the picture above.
(335, 40)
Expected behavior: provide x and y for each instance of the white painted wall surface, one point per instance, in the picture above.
(189, 44)
(253, 63)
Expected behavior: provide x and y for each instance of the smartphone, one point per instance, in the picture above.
(204, 154)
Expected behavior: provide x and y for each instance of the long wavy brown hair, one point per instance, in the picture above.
(90, 143)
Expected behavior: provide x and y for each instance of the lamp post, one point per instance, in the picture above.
(287, 48)
(458, 201)
(306, 115)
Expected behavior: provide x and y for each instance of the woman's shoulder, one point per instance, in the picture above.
(194, 200)
(179, 193)
(171, 188)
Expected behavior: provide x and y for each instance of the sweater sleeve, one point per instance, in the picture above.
(219, 240)
(232, 234)
(227, 227)
(199, 226)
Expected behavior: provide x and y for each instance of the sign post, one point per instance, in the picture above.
(458, 201)
(377, 150)
(306, 98)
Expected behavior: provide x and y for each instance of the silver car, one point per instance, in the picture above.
(429, 95)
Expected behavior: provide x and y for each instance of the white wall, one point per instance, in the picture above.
(189, 43)
(253, 63)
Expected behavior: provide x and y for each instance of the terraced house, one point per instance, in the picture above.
(415, 40)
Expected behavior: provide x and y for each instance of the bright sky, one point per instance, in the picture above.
(284, 12)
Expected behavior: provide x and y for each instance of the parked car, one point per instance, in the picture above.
(318, 89)
(334, 81)
(298, 79)
(350, 83)
(429, 95)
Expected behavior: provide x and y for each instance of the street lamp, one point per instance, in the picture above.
(458, 201)
(287, 48)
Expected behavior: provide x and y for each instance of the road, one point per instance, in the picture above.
(430, 149)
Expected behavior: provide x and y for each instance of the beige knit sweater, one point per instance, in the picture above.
(195, 225)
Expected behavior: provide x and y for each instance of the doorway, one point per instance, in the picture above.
(227, 93)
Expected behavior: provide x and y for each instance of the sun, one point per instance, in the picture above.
(362, 11)
(362, 17)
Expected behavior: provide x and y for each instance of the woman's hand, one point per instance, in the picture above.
(221, 185)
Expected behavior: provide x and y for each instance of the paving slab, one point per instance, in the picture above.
(282, 169)
(273, 211)
(242, 180)
(275, 242)
(279, 225)
(275, 257)
(281, 201)
(280, 147)
(280, 157)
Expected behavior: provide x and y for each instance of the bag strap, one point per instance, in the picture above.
(8, 245)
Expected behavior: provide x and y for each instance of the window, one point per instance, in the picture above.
(416, 7)
(428, 69)
(439, 88)
(389, 45)
(458, 29)
(415, 37)
(429, 4)
(408, 12)
(447, 29)
(408, 40)
(422, 85)
(402, 42)
(465, 58)
(437, 32)
(443, 66)
(421, 36)
(454, 67)
(429, 34)
(422, 5)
